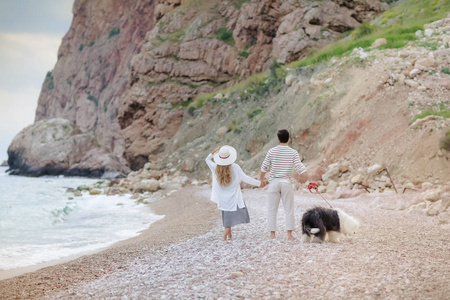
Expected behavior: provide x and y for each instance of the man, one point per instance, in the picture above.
(280, 162)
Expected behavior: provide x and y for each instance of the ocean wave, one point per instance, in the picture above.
(3, 171)
(39, 223)
(58, 215)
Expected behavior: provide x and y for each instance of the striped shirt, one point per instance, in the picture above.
(280, 161)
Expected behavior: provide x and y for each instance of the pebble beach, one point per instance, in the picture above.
(396, 255)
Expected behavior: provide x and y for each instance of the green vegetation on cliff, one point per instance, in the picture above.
(114, 31)
(93, 99)
(225, 35)
(397, 25)
(256, 85)
(440, 112)
(49, 82)
(238, 3)
(445, 141)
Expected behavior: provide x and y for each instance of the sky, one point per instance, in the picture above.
(30, 35)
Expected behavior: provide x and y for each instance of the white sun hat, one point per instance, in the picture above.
(225, 156)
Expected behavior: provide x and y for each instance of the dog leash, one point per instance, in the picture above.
(315, 186)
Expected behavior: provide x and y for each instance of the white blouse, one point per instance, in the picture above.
(229, 198)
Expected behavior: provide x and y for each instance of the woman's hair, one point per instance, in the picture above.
(224, 175)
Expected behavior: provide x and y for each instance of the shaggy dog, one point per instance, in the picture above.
(327, 224)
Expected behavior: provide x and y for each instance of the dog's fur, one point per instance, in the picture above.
(327, 224)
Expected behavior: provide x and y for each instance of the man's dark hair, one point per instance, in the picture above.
(283, 135)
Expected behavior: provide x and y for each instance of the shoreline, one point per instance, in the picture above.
(187, 213)
(183, 256)
(11, 273)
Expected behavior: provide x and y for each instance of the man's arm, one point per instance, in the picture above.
(261, 177)
(299, 166)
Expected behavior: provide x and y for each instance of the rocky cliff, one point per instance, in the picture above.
(208, 46)
(86, 88)
(126, 69)
(374, 121)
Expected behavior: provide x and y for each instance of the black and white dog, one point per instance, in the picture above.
(327, 224)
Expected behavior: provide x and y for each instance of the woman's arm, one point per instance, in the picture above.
(247, 179)
(209, 161)
(215, 150)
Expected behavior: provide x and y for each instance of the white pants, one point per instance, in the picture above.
(285, 191)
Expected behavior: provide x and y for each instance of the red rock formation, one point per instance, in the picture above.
(187, 54)
(126, 68)
(91, 74)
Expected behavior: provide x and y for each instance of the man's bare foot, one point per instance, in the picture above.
(272, 235)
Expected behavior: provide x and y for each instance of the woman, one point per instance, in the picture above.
(226, 189)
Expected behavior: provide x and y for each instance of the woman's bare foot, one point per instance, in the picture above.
(227, 233)
(272, 235)
(290, 236)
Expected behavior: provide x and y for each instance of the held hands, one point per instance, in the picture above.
(263, 181)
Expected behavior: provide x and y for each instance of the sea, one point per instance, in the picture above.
(40, 223)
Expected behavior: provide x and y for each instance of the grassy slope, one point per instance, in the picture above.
(397, 25)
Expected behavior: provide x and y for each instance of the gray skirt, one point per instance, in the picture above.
(231, 218)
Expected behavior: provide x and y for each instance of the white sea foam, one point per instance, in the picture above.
(39, 223)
